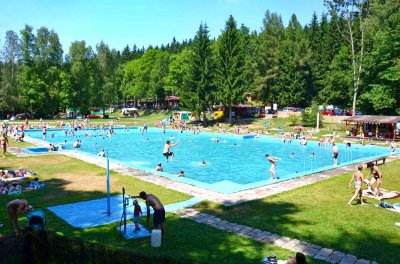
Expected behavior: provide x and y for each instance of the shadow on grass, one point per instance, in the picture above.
(372, 242)
(54, 193)
(369, 243)
(200, 243)
(262, 214)
(186, 239)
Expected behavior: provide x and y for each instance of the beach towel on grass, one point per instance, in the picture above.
(393, 208)
(15, 188)
(385, 194)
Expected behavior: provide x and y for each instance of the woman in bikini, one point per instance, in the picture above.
(377, 178)
(358, 178)
(4, 143)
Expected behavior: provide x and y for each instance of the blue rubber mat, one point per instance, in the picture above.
(94, 212)
(130, 234)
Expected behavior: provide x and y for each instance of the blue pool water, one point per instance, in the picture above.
(234, 163)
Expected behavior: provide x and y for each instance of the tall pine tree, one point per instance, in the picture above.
(230, 73)
(199, 85)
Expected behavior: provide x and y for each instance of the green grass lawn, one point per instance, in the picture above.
(69, 180)
(318, 214)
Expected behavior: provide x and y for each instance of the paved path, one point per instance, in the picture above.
(263, 236)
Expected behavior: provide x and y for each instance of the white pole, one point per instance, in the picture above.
(108, 186)
(318, 121)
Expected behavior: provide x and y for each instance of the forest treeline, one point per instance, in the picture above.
(350, 54)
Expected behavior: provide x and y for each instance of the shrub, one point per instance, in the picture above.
(293, 119)
(309, 119)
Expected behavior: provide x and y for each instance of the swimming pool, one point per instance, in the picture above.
(233, 163)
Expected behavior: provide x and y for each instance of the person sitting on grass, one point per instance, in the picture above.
(3, 187)
(20, 172)
(14, 188)
(3, 175)
(35, 184)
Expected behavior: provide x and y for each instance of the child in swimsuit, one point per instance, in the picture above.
(137, 212)
(358, 178)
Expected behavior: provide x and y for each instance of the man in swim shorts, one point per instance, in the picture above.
(167, 151)
(44, 131)
(159, 211)
(14, 209)
(335, 153)
(272, 169)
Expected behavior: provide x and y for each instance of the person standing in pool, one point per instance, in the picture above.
(358, 178)
(393, 147)
(159, 167)
(272, 169)
(335, 154)
(44, 131)
(167, 152)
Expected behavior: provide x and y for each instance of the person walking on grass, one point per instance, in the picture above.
(377, 178)
(4, 143)
(358, 178)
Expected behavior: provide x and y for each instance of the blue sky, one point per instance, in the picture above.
(143, 22)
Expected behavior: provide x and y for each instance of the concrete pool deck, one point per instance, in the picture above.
(226, 199)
